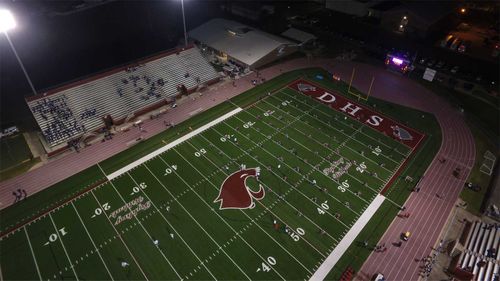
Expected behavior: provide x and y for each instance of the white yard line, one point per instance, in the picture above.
(64, 247)
(32, 253)
(145, 230)
(210, 236)
(291, 168)
(118, 234)
(218, 215)
(172, 144)
(172, 227)
(265, 207)
(362, 124)
(344, 244)
(279, 177)
(271, 190)
(320, 145)
(349, 137)
(92, 240)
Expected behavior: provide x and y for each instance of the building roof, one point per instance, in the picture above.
(298, 35)
(237, 40)
(428, 11)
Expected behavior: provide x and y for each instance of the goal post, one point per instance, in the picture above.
(359, 95)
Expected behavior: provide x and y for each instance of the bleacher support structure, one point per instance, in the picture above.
(476, 259)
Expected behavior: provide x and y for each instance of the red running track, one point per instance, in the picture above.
(428, 212)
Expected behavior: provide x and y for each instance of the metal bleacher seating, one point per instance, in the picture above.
(119, 94)
(480, 256)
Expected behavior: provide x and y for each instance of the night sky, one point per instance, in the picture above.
(59, 48)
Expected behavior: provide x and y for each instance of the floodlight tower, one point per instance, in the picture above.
(184, 23)
(7, 22)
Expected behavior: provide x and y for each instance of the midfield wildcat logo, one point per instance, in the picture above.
(234, 192)
(305, 87)
(401, 133)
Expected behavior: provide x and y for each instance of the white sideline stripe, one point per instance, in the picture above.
(159, 151)
(341, 248)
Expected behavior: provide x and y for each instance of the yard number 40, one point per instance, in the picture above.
(267, 265)
(323, 207)
(172, 168)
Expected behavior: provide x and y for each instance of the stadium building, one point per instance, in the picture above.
(77, 110)
(234, 43)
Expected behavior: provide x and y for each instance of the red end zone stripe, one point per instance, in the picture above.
(401, 168)
(387, 126)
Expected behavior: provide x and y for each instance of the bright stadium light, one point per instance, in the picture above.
(7, 21)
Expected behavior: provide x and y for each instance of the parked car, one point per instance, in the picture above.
(455, 44)
(445, 43)
(9, 131)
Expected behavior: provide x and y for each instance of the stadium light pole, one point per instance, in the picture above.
(7, 22)
(184, 23)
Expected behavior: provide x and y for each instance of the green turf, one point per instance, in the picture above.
(175, 192)
(13, 150)
(473, 198)
(18, 169)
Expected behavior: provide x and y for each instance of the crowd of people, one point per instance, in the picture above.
(87, 113)
(147, 91)
(61, 121)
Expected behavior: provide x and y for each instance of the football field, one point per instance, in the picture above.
(265, 192)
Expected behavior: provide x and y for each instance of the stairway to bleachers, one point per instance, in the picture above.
(481, 251)
(119, 94)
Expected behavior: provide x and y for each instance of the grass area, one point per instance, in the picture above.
(478, 106)
(18, 169)
(473, 198)
(145, 147)
(14, 150)
(171, 197)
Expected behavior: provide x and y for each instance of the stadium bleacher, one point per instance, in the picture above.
(480, 256)
(69, 113)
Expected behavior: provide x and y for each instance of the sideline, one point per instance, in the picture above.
(344, 244)
(172, 144)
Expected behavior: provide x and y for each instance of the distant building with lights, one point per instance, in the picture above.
(418, 18)
(238, 44)
(414, 17)
(358, 8)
